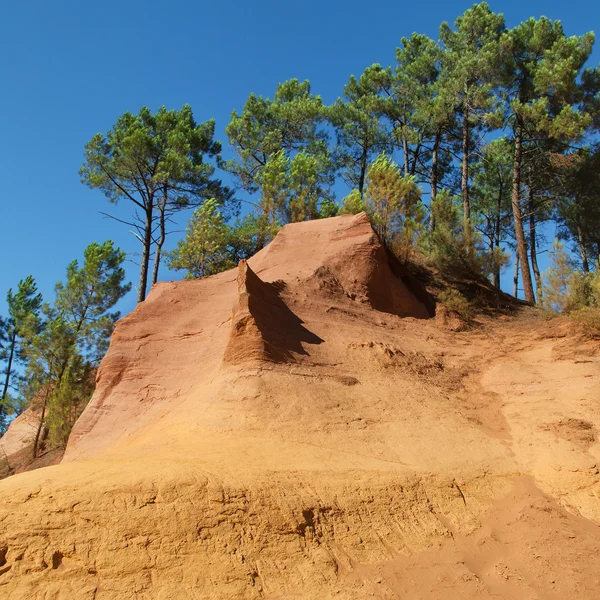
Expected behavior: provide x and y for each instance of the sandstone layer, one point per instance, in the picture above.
(300, 428)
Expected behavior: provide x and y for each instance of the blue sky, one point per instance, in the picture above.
(70, 68)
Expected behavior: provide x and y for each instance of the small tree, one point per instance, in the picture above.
(352, 204)
(392, 200)
(205, 249)
(23, 313)
(558, 279)
(74, 337)
(492, 201)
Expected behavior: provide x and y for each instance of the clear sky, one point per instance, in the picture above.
(70, 68)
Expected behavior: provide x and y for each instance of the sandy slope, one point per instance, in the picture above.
(297, 428)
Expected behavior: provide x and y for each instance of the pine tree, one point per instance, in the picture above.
(578, 208)
(158, 162)
(23, 313)
(470, 59)
(281, 150)
(491, 199)
(205, 248)
(541, 69)
(360, 133)
(392, 200)
(74, 337)
(352, 204)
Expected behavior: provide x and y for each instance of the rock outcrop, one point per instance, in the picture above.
(298, 427)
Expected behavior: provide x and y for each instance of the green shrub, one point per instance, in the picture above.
(352, 204)
(455, 302)
(567, 289)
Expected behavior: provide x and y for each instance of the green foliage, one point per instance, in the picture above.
(392, 200)
(542, 66)
(204, 251)
(455, 302)
(23, 315)
(352, 204)
(211, 246)
(558, 280)
(491, 200)
(249, 235)
(65, 351)
(470, 62)
(360, 133)
(578, 208)
(89, 293)
(447, 247)
(281, 150)
(328, 208)
(567, 289)
(453, 252)
(68, 399)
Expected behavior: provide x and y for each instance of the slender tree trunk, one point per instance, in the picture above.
(433, 183)
(147, 244)
(517, 215)
(533, 246)
(161, 239)
(465, 172)
(413, 166)
(405, 150)
(516, 275)
(363, 173)
(585, 263)
(40, 424)
(13, 343)
(496, 276)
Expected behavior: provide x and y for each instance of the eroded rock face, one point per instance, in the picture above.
(298, 428)
(16, 445)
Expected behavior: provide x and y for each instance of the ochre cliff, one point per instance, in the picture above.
(300, 428)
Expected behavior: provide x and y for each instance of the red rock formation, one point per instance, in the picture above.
(296, 428)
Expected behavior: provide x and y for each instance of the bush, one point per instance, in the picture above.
(586, 322)
(565, 288)
(352, 204)
(455, 302)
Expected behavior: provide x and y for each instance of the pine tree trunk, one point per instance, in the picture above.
(433, 183)
(13, 343)
(497, 238)
(465, 173)
(161, 240)
(405, 150)
(145, 263)
(533, 246)
(518, 217)
(40, 424)
(363, 173)
(516, 275)
(585, 263)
